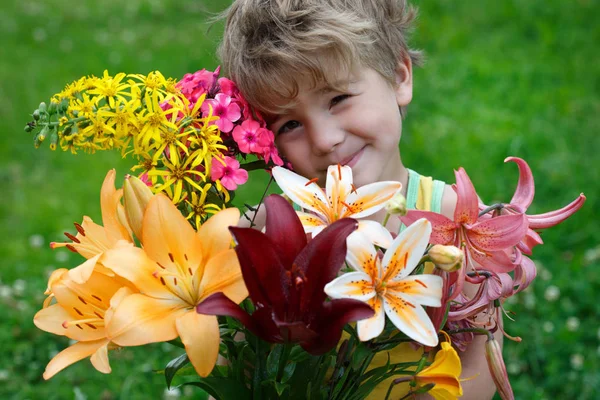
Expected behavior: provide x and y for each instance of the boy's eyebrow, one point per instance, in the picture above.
(336, 86)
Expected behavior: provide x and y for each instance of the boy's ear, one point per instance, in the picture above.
(404, 81)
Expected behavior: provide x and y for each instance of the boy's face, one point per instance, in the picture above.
(359, 127)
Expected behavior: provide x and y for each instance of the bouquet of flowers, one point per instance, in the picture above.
(312, 307)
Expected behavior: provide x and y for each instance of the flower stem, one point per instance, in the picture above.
(498, 206)
(287, 349)
(261, 201)
(478, 331)
(385, 220)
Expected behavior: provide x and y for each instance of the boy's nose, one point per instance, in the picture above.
(324, 137)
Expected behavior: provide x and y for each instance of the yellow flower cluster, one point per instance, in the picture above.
(147, 117)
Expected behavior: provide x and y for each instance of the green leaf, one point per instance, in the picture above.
(280, 388)
(173, 366)
(222, 388)
(273, 360)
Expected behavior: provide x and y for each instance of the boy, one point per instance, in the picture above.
(333, 79)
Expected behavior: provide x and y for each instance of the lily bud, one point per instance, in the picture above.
(397, 205)
(136, 196)
(493, 355)
(446, 258)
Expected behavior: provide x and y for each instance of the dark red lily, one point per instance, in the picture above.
(285, 276)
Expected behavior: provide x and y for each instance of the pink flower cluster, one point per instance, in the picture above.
(243, 130)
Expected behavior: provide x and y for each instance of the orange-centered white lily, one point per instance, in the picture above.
(340, 199)
(387, 286)
(85, 299)
(177, 269)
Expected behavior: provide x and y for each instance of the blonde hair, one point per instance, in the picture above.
(269, 45)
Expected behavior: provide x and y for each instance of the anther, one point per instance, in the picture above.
(78, 312)
(162, 280)
(340, 171)
(190, 271)
(81, 299)
(313, 180)
(71, 237)
(79, 228)
(171, 257)
(421, 283)
(70, 247)
(175, 281)
(160, 265)
(96, 297)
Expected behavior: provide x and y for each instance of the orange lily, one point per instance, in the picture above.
(84, 298)
(93, 239)
(444, 372)
(387, 286)
(340, 199)
(177, 269)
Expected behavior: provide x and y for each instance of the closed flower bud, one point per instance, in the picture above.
(447, 258)
(42, 107)
(28, 128)
(136, 196)
(397, 205)
(493, 355)
(52, 108)
(36, 115)
(53, 140)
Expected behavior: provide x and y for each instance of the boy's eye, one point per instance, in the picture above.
(288, 126)
(338, 99)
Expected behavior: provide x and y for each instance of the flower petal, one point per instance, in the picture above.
(467, 204)
(82, 273)
(222, 273)
(494, 261)
(310, 222)
(219, 304)
(411, 319)
(72, 354)
(100, 359)
(169, 239)
(334, 315)
(362, 255)
(141, 319)
(214, 234)
(109, 202)
(133, 264)
(261, 267)
(368, 199)
(200, 336)
(377, 233)
(403, 256)
(498, 233)
(353, 285)
(51, 319)
(338, 183)
(372, 327)
(525, 188)
(443, 228)
(549, 219)
(321, 260)
(423, 289)
(306, 195)
(281, 218)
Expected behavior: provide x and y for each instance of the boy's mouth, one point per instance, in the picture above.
(353, 159)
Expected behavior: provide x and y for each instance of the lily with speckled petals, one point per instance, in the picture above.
(340, 199)
(177, 269)
(387, 286)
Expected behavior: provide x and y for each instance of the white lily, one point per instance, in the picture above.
(340, 199)
(387, 286)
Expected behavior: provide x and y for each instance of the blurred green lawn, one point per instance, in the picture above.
(502, 78)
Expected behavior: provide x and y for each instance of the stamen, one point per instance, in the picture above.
(96, 297)
(71, 237)
(313, 180)
(162, 280)
(171, 257)
(405, 259)
(82, 300)
(91, 326)
(70, 247)
(340, 171)
(353, 188)
(98, 315)
(79, 228)
(175, 281)
(78, 312)
(410, 304)
(421, 283)
(160, 265)
(185, 256)
(190, 271)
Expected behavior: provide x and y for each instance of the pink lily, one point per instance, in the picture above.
(522, 199)
(488, 243)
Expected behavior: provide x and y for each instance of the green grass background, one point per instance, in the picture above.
(502, 78)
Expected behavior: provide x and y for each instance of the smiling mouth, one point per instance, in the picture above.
(353, 159)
